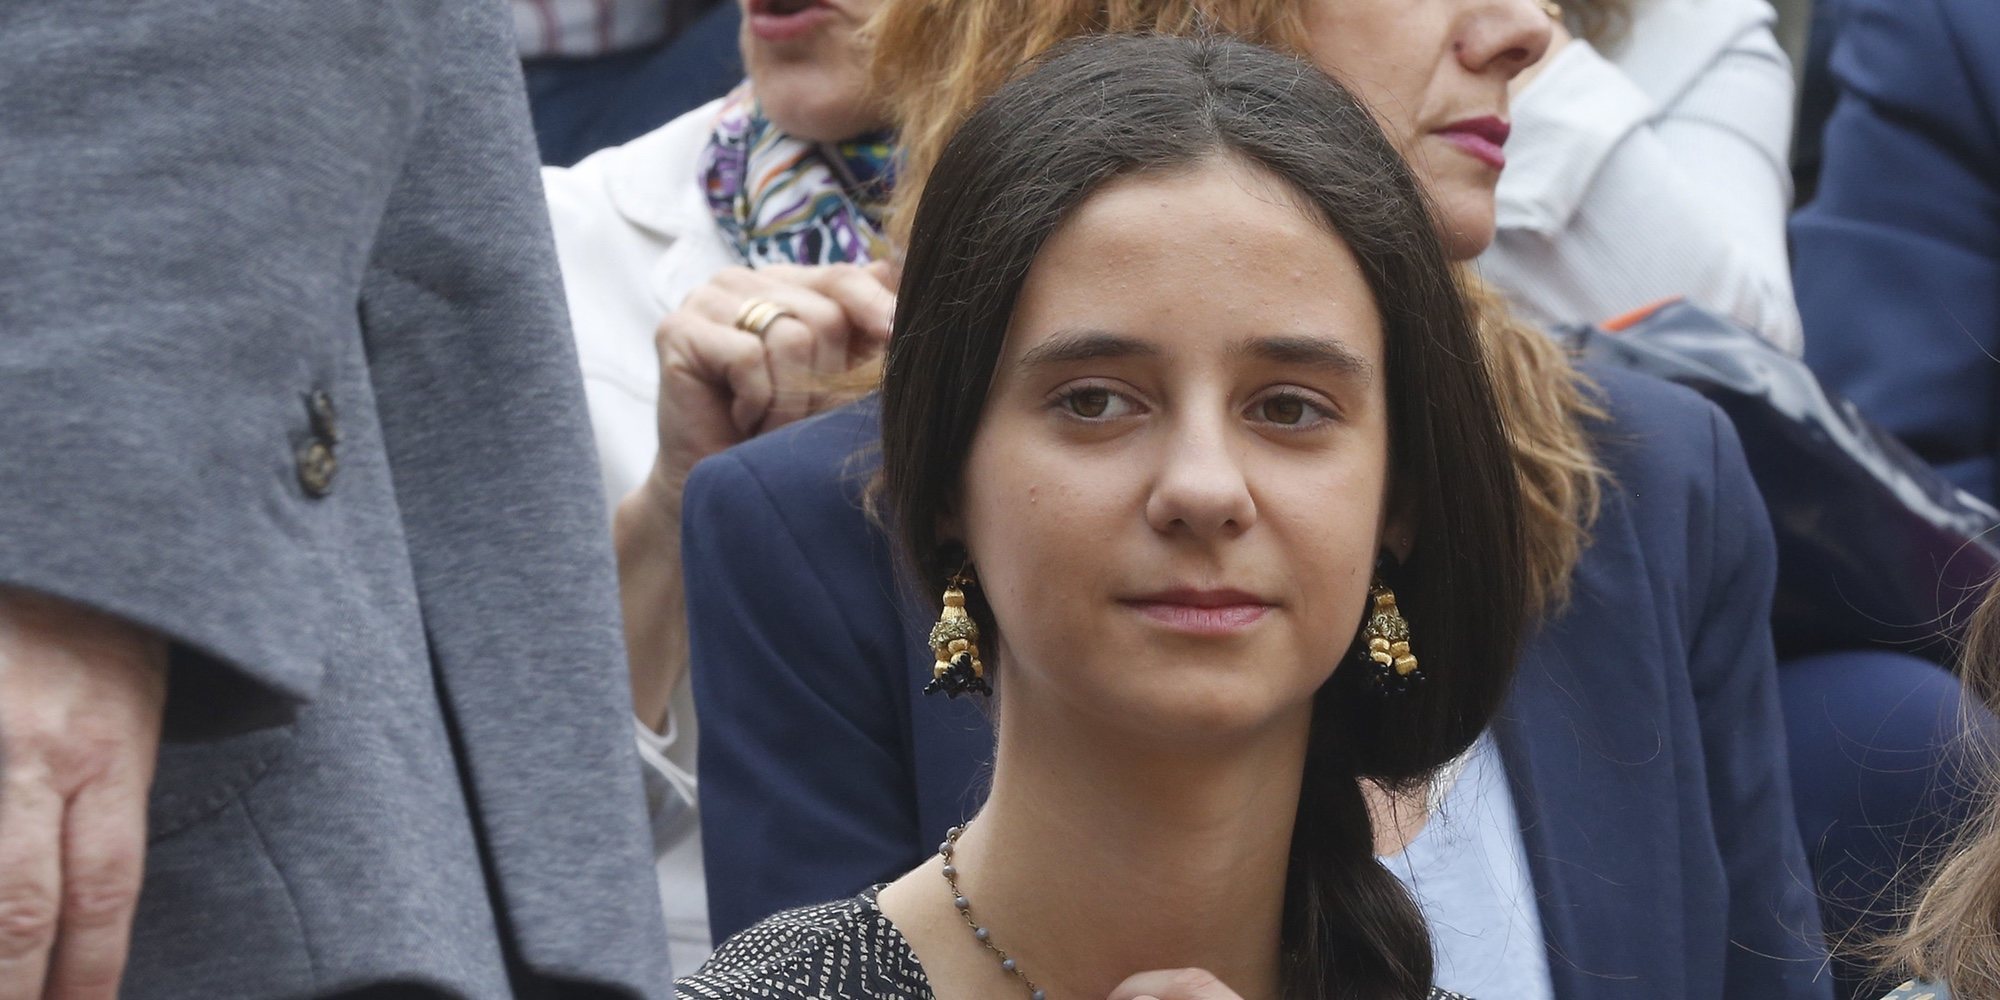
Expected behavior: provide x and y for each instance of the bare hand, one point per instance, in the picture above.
(720, 384)
(81, 698)
(1173, 984)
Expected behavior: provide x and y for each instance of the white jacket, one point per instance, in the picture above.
(1658, 171)
(634, 236)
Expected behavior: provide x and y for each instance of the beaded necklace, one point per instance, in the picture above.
(979, 933)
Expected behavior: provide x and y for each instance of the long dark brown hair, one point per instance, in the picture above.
(1113, 106)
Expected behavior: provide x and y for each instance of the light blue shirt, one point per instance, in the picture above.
(1469, 872)
(1918, 990)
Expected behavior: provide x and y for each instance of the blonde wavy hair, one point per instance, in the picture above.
(935, 60)
(1953, 936)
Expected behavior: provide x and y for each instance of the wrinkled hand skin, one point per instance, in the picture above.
(81, 700)
(720, 385)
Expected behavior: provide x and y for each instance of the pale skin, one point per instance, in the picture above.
(1158, 423)
(815, 86)
(1423, 65)
(81, 698)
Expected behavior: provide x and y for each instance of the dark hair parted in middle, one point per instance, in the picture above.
(1115, 106)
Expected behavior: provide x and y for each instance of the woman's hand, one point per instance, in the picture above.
(721, 384)
(1173, 984)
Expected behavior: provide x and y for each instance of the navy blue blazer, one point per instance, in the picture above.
(1897, 261)
(1643, 737)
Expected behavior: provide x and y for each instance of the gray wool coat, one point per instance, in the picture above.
(285, 374)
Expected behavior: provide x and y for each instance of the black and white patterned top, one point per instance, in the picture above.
(844, 950)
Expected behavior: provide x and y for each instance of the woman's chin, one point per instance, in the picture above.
(1466, 222)
(818, 97)
(816, 109)
(1184, 709)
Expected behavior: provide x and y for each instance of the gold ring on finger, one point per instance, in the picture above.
(1552, 9)
(757, 315)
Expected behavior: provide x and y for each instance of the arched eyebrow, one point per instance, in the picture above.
(1309, 352)
(1098, 345)
(1085, 345)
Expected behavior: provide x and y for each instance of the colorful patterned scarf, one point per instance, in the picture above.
(781, 200)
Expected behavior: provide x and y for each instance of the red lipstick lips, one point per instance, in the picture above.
(1480, 138)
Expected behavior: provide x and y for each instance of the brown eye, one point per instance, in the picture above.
(1284, 410)
(1090, 403)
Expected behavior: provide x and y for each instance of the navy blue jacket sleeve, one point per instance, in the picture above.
(1897, 261)
(805, 775)
(1774, 926)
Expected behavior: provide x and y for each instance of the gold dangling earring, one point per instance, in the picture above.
(955, 643)
(1386, 649)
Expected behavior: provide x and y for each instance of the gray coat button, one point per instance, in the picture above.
(320, 406)
(316, 468)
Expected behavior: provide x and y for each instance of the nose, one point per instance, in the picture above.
(1200, 490)
(1503, 36)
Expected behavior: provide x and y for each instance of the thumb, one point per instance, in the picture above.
(888, 271)
(1173, 984)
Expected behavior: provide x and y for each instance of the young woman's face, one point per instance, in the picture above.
(1435, 72)
(1175, 494)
